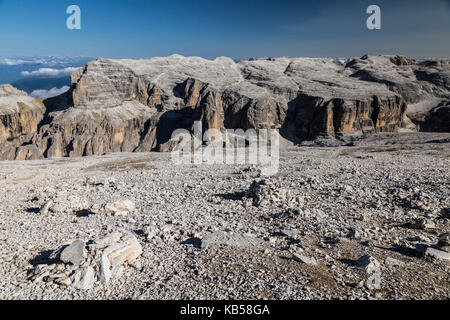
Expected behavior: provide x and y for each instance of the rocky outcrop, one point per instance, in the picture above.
(135, 105)
(82, 265)
(423, 85)
(20, 116)
(437, 120)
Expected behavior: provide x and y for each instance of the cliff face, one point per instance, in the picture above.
(20, 116)
(135, 105)
(438, 119)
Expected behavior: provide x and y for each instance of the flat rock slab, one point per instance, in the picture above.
(83, 279)
(437, 254)
(294, 234)
(304, 259)
(429, 252)
(240, 241)
(120, 248)
(73, 253)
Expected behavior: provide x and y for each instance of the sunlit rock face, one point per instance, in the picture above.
(20, 116)
(135, 105)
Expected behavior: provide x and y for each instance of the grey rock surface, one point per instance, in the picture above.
(377, 186)
(135, 105)
(73, 253)
(83, 278)
(304, 259)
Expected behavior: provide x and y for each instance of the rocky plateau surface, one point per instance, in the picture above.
(368, 220)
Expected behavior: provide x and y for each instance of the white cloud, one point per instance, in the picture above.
(50, 72)
(53, 92)
(17, 62)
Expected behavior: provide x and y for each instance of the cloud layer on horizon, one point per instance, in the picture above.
(53, 92)
(18, 62)
(49, 72)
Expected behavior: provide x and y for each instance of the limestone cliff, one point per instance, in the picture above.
(135, 105)
(20, 117)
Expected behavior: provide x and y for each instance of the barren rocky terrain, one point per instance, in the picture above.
(360, 220)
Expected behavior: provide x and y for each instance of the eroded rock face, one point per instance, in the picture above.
(135, 105)
(437, 119)
(423, 85)
(20, 116)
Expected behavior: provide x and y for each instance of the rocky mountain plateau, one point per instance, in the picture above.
(369, 221)
(359, 208)
(135, 105)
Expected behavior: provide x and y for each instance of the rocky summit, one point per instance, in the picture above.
(135, 105)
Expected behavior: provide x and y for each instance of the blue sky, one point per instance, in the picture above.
(239, 29)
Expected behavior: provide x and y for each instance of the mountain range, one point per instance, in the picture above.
(135, 105)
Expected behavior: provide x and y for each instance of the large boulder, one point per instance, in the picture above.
(437, 119)
(82, 266)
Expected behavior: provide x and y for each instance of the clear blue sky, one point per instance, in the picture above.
(239, 29)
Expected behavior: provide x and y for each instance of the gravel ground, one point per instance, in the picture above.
(224, 232)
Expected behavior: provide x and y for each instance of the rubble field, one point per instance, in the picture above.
(366, 220)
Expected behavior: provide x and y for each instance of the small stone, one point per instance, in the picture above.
(89, 181)
(300, 199)
(373, 282)
(64, 281)
(74, 253)
(110, 182)
(136, 264)
(423, 224)
(151, 232)
(83, 279)
(369, 263)
(40, 277)
(120, 208)
(40, 268)
(444, 242)
(44, 209)
(354, 234)
(304, 259)
(105, 269)
(436, 254)
(290, 233)
(105, 241)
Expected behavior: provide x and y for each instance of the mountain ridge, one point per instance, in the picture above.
(135, 105)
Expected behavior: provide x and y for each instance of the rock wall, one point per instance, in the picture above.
(135, 105)
(20, 117)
